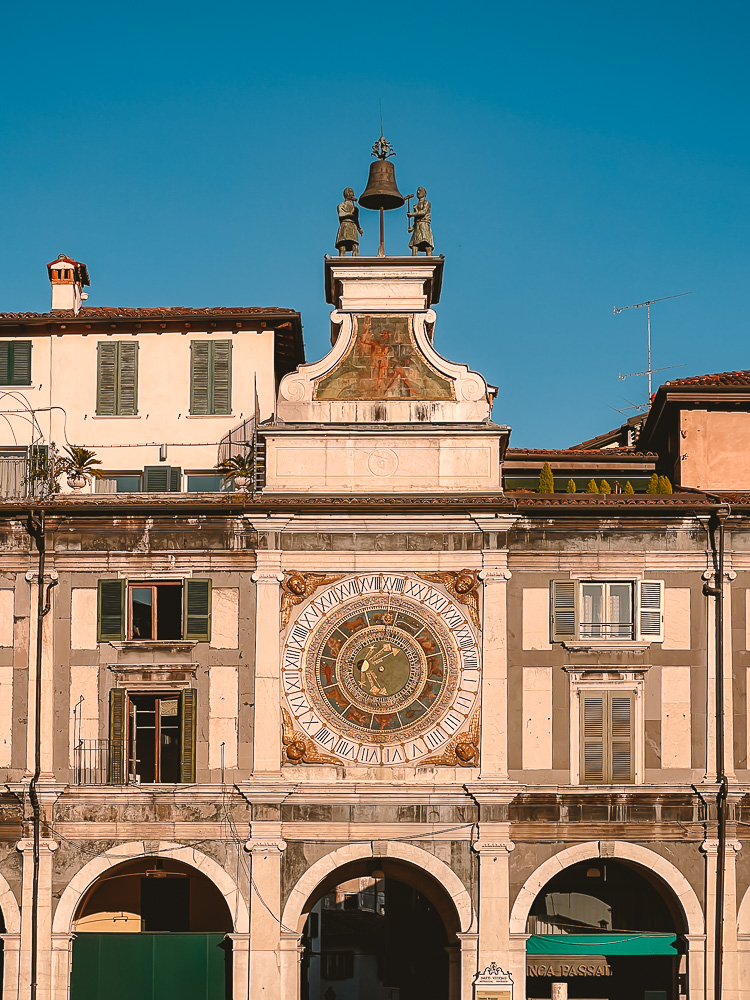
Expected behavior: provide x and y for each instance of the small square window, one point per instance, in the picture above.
(208, 484)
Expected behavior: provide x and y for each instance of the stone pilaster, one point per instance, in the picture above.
(267, 719)
(494, 847)
(291, 960)
(44, 919)
(493, 758)
(240, 965)
(11, 955)
(711, 850)
(468, 942)
(265, 918)
(47, 681)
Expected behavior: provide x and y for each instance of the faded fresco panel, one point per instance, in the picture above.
(383, 362)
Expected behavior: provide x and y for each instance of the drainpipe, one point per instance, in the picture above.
(716, 525)
(35, 528)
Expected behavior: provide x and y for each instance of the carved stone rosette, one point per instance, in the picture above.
(463, 586)
(299, 749)
(462, 750)
(297, 587)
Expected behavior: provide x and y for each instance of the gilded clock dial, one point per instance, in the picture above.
(381, 667)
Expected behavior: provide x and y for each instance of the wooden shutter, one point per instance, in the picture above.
(199, 377)
(20, 373)
(564, 610)
(4, 363)
(156, 478)
(621, 737)
(650, 617)
(127, 379)
(197, 611)
(221, 376)
(111, 611)
(106, 378)
(187, 736)
(593, 735)
(117, 720)
(175, 479)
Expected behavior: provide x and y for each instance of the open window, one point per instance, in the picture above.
(152, 736)
(603, 610)
(154, 610)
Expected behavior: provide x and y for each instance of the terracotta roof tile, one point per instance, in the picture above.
(719, 378)
(157, 312)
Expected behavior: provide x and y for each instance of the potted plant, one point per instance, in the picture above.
(80, 466)
(239, 470)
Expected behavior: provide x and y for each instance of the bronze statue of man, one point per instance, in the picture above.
(422, 229)
(347, 238)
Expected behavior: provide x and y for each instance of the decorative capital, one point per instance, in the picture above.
(488, 576)
(493, 847)
(257, 845)
(710, 848)
(266, 576)
(27, 844)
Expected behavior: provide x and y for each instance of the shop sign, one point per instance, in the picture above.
(561, 966)
(493, 984)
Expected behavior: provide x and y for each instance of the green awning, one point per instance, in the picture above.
(602, 944)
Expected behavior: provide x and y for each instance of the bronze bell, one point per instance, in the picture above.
(381, 190)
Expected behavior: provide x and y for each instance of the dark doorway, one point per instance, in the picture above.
(372, 933)
(609, 929)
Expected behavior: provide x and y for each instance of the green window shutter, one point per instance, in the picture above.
(221, 371)
(127, 379)
(564, 610)
(21, 362)
(621, 737)
(156, 478)
(111, 611)
(4, 363)
(106, 378)
(175, 479)
(593, 726)
(187, 736)
(117, 761)
(199, 377)
(650, 617)
(197, 612)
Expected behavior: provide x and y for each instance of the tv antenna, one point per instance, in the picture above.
(649, 370)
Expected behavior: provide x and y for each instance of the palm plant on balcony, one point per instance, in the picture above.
(239, 470)
(80, 466)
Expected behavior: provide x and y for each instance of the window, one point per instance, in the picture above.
(208, 484)
(13, 468)
(15, 362)
(118, 484)
(151, 736)
(607, 737)
(607, 610)
(210, 376)
(337, 965)
(162, 479)
(154, 610)
(117, 378)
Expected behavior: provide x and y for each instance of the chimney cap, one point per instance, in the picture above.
(81, 271)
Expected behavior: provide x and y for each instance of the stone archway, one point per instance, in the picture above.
(74, 892)
(83, 879)
(666, 871)
(671, 877)
(298, 905)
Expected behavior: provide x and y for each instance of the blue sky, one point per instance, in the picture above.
(578, 156)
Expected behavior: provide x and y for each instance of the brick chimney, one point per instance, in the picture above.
(67, 277)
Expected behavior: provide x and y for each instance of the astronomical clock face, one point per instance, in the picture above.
(380, 669)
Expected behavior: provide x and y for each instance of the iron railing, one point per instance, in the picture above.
(91, 762)
(606, 630)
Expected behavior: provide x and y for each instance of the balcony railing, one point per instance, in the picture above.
(91, 762)
(605, 630)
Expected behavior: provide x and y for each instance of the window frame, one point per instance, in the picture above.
(646, 603)
(609, 680)
(120, 406)
(114, 608)
(196, 405)
(7, 367)
(120, 735)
